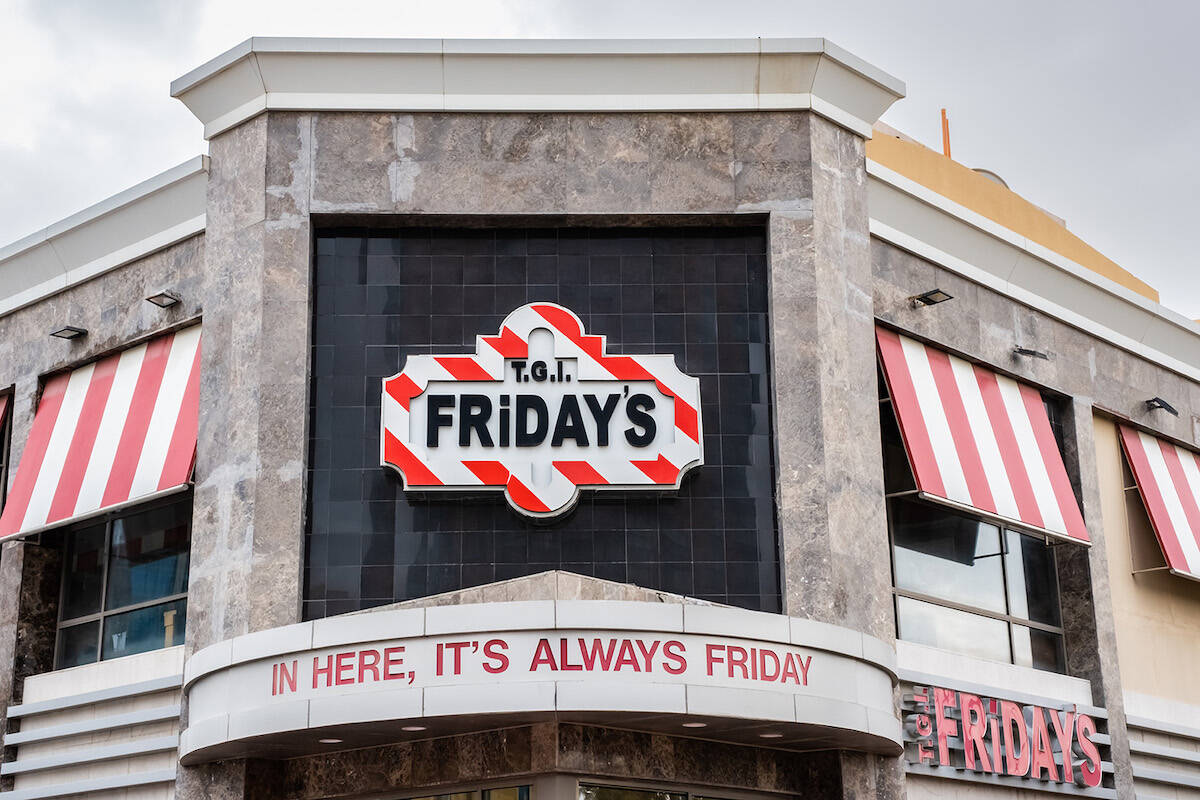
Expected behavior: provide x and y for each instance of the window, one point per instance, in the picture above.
(591, 791)
(124, 587)
(968, 584)
(5, 437)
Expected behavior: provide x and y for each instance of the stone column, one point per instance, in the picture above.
(248, 511)
(832, 517)
(1087, 598)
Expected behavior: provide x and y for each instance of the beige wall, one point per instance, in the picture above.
(1157, 614)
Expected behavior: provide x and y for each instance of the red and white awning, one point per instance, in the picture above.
(1168, 478)
(977, 439)
(109, 433)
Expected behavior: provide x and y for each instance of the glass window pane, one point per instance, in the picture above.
(145, 629)
(77, 644)
(897, 475)
(950, 629)
(1032, 579)
(507, 793)
(84, 574)
(1038, 649)
(947, 555)
(593, 792)
(149, 557)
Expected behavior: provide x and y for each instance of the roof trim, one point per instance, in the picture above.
(619, 74)
(132, 224)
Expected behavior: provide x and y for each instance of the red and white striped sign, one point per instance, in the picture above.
(109, 432)
(978, 439)
(540, 411)
(1168, 478)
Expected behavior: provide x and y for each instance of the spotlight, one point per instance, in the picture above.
(330, 741)
(69, 332)
(930, 298)
(164, 299)
(1157, 402)
(413, 728)
(695, 724)
(1029, 352)
(770, 736)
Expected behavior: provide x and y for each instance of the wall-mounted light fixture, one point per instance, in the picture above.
(1029, 352)
(164, 299)
(930, 298)
(1157, 402)
(69, 332)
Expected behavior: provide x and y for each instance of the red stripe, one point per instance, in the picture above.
(415, 473)
(137, 421)
(687, 420)
(35, 452)
(565, 323)
(1187, 498)
(908, 413)
(580, 473)
(1147, 483)
(79, 454)
(402, 389)
(490, 473)
(464, 368)
(181, 454)
(960, 430)
(508, 344)
(660, 470)
(524, 498)
(1010, 452)
(1068, 506)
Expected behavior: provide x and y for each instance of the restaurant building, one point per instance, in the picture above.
(606, 420)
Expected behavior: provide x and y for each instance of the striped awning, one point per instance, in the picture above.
(978, 440)
(1168, 478)
(109, 433)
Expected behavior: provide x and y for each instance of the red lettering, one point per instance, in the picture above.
(343, 665)
(493, 649)
(274, 679)
(392, 657)
(326, 670)
(974, 731)
(754, 663)
(944, 699)
(678, 662)
(438, 659)
(368, 660)
(287, 679)
(457, 648)
(1064, 732)
(596, 653)
(648, 655)
(737, 658)
(762, 670)
(805, 663)
(711, 658)
(997, 765)
(625, 656)
(564, 660)
(543, 655)
(793, 665)
(1043, 752)
(1090, 770)
(1017, 754)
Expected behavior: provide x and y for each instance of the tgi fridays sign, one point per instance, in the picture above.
(985, 735)
(540, 411)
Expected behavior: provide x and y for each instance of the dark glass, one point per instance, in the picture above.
(593, 792)
(1032, 579)
(1039, 649)
(697, 294)
(947, 555)
(83, 578)
(77, 644)
(897, 475)
(148, 558)
(145, 629)
(953, 630)
(507, 793)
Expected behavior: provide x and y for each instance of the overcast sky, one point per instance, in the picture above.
(1088, 109)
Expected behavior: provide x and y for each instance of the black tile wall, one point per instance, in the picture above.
(697, 293)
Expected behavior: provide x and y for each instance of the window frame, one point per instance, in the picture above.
(914, 495)
(5, 446)
(108, 520)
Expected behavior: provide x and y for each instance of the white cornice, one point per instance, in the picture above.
(927, 224)
(129, 225)
(564, 75)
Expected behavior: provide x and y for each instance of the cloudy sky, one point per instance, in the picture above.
(1088, 109)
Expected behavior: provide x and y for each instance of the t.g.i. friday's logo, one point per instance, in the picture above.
(541, 411)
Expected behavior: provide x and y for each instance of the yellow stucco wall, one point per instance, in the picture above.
(1157, 614)
(983, 196)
